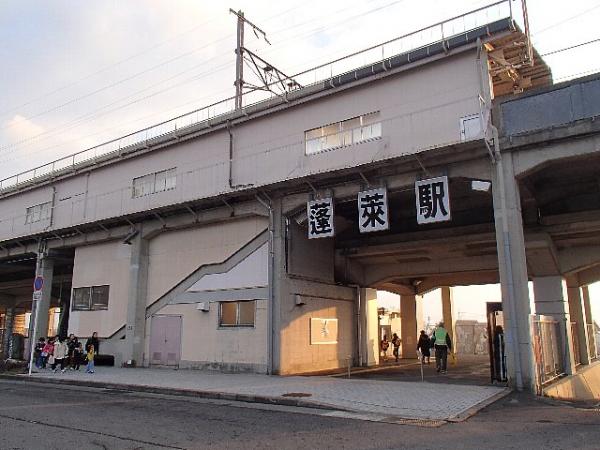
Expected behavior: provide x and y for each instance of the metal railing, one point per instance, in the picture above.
(408, 42)
(549, 361)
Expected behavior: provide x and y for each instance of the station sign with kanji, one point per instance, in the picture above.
(433, 200)
(320, 218)
(373, 210)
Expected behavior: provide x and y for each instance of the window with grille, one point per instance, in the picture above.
(37, 213)
(237, 314)
(162, 181)
(341, 134)
(90, 298)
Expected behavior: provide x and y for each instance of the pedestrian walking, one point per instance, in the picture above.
(385, 344)
(442, 344)
(91, 352)
(424, 346)
(396, 344)
(60, 354)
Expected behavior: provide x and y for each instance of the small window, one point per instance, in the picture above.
(37, 213)
(237, 314)
(90, 298)
(165, 180)
(341, 134)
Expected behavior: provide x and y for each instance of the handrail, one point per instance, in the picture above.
(227, 106)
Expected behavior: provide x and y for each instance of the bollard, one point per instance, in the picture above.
(349, 359)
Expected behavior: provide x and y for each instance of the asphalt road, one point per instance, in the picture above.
(42, 416)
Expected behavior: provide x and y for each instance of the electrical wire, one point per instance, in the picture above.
(543, 30)
(560, 50)
(89, 116)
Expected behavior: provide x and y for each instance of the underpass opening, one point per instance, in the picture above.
(417, 265)
(17, 275)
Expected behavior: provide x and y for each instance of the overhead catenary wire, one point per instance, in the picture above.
(128, 78)
(88, 116)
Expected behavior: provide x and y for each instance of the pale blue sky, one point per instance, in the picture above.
(76, 74)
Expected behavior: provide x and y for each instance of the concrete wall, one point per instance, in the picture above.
(557, 106)
(420, 109)
(174, 255)
(96, 265)
(297, 353)
(582, 386)
(205, 345)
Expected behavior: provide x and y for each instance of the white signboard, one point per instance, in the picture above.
(320, 218)
(433, 200)
(323, 331)
(373, 210)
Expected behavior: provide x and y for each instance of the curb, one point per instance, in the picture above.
(461, 417)
(214, 395)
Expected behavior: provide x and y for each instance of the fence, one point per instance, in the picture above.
(549, 361)
(592, 346)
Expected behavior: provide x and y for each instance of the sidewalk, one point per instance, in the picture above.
(407, 400)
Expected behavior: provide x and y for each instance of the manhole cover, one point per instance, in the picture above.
(296, 394)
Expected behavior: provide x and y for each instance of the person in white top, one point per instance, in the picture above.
(60, 354)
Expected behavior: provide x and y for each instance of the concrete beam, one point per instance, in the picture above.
(577, 259)
(382, 273)
(589, 276)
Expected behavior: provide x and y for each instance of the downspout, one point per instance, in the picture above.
(271, 292)
(359, 349)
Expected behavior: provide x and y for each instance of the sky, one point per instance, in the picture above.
(76, 74)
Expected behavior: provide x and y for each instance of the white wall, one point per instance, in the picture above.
(96, 265)
(420, 109)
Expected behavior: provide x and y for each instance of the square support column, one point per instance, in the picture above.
(512, 265)
(577, 313)
(408, 325)
(369, 327)
(9, 322)
(551, 300)
(136, 305)
(45, 269)
(447, 310)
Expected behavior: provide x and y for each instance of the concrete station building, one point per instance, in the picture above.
(191, 243)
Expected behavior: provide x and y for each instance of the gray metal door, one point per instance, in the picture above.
(165, 340)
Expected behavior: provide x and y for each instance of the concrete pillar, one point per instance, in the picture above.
(512, 266)
(369, 327)
(8, 328)
(577, 313)
(136, 305)
(551, 300)
(585, 292)
(408, 325)
(45, 268)
(447, 309)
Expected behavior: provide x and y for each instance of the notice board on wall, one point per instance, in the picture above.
(323, 331)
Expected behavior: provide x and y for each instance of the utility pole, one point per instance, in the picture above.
(239, 60)
(239, 54)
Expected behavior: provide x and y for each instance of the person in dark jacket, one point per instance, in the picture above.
(423, 346)
(94, 342)
(442, 344)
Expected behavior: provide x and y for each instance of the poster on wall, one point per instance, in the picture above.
(323, 331)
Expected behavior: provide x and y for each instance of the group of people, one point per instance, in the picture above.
(66, 353)
(439, 340)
